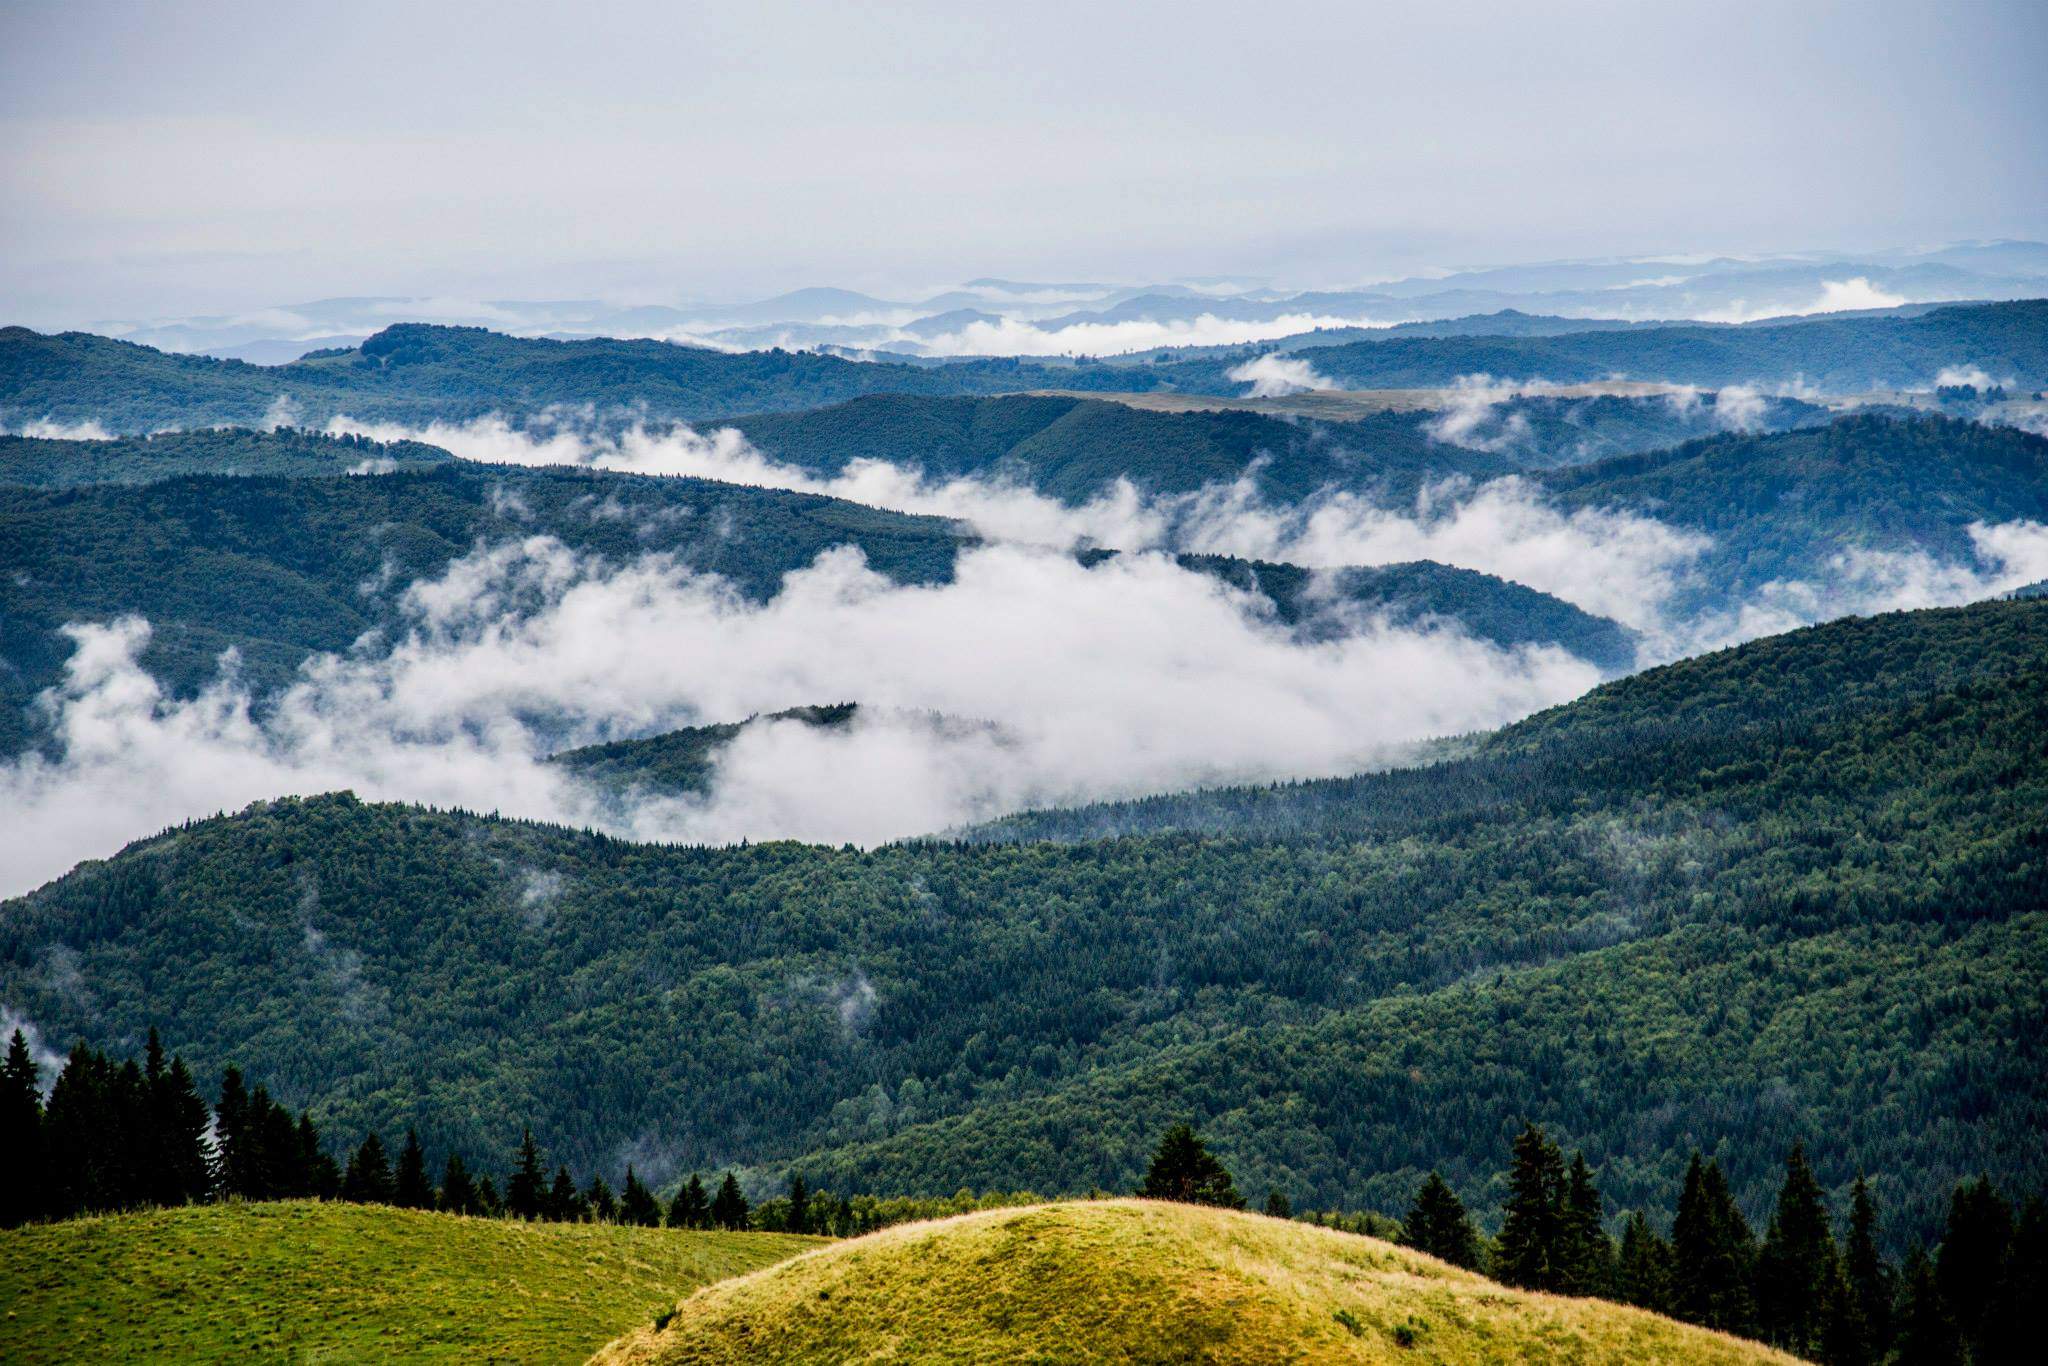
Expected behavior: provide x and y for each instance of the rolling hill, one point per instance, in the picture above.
(44, 463)
(302, 1280)
(1141, 1281)
(1805, 903)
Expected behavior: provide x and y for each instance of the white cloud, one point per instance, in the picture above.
(1836, 296)
(1739, 408)
(1275, 376)
(1971, 375)
(1017, 337)
(1131, 676)
(48, 430)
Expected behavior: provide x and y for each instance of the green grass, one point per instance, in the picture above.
(306, 1281)
(1138, 1281)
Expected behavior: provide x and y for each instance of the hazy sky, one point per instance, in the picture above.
(209, 157)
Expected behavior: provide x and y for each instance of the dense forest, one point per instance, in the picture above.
(1805, 904)
(1836, 355)
(44, 463)
(125, 1136)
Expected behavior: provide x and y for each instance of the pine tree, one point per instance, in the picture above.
(1278, 1206)
(458, 1193)
(691, 1207)
(798, 1219)
(1927, 1334)
(1969, 1268)
(180, 1120)
(1872, 1286)
(1529, 1229)
(321, 1176)
(637, 1205)
(564, 1205)
(232, 1157)
(1584, 1260)
(1182, 1169)
(1712, 1254)
(526, 1194)
(1798, 1261)
(2024, 1291)
(410, 1187)
(729, 1208)
(1437, 1224)
(599, 1200)
(24, 1175)
(368, 1178)
(76, 1124)
(1642, 1274)
(487, 1201)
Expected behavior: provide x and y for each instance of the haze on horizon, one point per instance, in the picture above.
(221, 157)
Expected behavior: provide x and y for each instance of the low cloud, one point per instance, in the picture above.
(1836, 296)
(50, 430)
(1275, 376)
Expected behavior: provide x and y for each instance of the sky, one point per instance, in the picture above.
(159, 159)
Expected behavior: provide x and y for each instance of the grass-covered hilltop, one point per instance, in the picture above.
(1145, 1282)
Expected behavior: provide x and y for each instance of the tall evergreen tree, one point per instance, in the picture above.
(1872, 1286)
(233, 1157)
(599, 1200)
(1642, 1274)
(1183, 1169)
(563, 1203)
(526, 1193)
(24, 1176)
(637, 1204)
(798, 1220)
(368, 1178)
(729, 1207)
(1970, 1266)
(1529, 1229)
(319, 1171)
(458, 1194)
(1712, 1253)
(1927, 1334)
(1437, 1224)
(410, 1187)
(692, 1206)
(179, 1120)
(1583, 1263)
(1798, 1263)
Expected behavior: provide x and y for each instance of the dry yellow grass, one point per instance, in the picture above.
(1139, 1281)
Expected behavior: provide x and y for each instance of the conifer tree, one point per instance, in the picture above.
(563, 1203)
(1183, 1169)
(321, 1174)
(1927, 1334)
(1437, 1224)
(1278, 1206)
(692, 1206)
(232, 1157)
(599, 1200)
(729, 1207)
(368, 1178)
(1583, 1263)
(637, 1204)
(487, 1201)
(1713, 1252)
(458, 1194)
(526, 1194)
(1529, 1229)
(1798, 1262)
(1642, 1274)
(179, 1120)
(1969, 1268)
(1872, 1286)
(410, 1187)
(24, 1176)
(798, 1220)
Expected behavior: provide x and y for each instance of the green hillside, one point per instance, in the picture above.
(1725, 929)
(1836, 355)
(1140, 1281)
(417, 372)
(305, 1281)
(239, 451)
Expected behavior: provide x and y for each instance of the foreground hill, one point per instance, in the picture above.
(1141, 1281)
(1791, 891)
(308, 1281)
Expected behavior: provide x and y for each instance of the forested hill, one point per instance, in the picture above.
(281, 567)
(1076, 449)
(46, 463)
(1826, 925)
(1838, 355)
(416, 372)
(1785, 505)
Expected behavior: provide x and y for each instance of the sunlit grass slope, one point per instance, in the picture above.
(310, 1281)
(1128, 1280)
